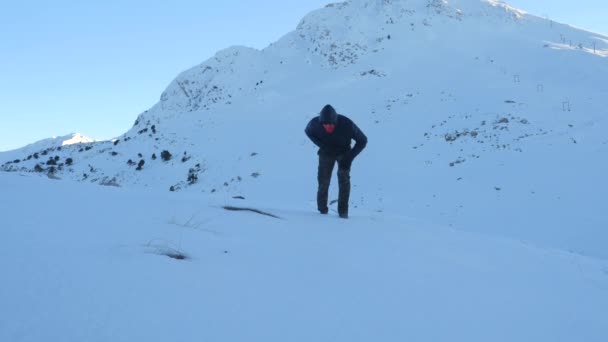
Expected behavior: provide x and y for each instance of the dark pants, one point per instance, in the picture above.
(326, 166)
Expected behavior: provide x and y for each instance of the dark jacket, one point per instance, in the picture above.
(338, 142)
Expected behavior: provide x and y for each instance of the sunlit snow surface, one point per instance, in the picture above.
(96, 270)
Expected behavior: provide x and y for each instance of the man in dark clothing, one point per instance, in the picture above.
(332, 133)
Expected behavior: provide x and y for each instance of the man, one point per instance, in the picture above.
(332, 133)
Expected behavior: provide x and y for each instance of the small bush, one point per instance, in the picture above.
(116, 142)
(38, 168)
(176, 255)
(153, 156)
(192, 176)
(185, 158)
(165, 155)
(130, 162)
(69, 161)
(140, 165)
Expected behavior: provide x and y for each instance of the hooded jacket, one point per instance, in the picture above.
(338, 142)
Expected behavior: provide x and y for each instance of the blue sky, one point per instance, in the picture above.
(92, 66)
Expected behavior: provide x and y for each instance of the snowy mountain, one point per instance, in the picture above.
(477, 113)
(477, 208)
(54, 143)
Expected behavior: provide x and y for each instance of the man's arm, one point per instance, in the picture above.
(310, 133)
(360, 141)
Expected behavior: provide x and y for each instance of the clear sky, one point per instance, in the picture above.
(92, 66)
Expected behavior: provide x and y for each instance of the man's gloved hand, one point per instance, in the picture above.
(345, 161)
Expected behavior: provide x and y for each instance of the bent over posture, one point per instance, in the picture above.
(333, 133)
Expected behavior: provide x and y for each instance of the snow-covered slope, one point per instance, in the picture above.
(99, 270)
(479, 116)
(54, 144)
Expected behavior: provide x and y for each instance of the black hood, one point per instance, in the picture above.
(328, 115)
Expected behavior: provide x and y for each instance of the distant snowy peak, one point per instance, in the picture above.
(44, 145)
(54, 142)
(70, 139)
(74, 138)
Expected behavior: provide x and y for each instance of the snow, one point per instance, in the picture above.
(86, 263)
(477, 209)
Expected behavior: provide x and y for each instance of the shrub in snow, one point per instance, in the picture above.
(175, 254)
(109, 182)
(140, 165)
(192, 176)
(153, 156)
(165, 155)
(130, 162)
(185, 158)
(38, 168)
(69, 161)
